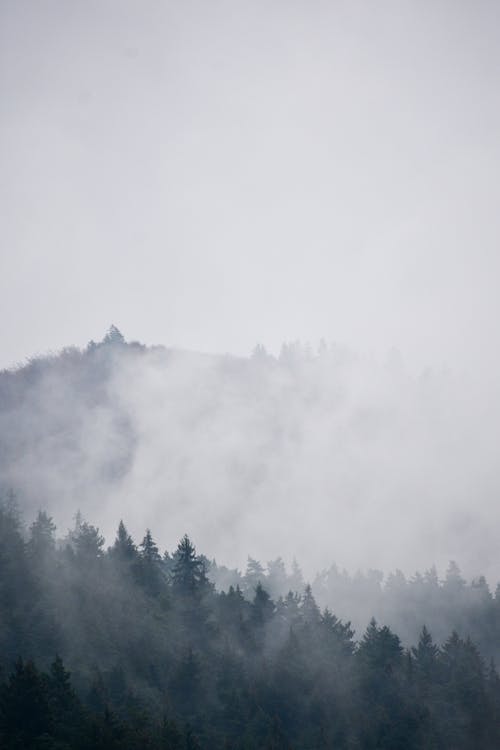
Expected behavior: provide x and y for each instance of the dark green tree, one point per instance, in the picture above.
(150, 566)
(309, 608)
(188, 576)
(123, 549)
(42, 542)
(64, 706)
(86, 541)
(425, 657)
(25, 711)
(380, 650)
(262, 606)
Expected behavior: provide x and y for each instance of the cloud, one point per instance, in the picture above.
(335, 457)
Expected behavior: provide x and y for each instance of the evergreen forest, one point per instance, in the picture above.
(126, 648)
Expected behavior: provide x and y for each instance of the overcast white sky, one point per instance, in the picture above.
(212, 174)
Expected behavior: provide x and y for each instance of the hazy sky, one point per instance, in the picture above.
(210, 174)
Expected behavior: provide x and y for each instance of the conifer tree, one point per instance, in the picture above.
(425, 656)
(149, 550)
(124, 548)
(150, 565)
(188, 576)
(86, 540)
(114, 336)
(25, 707)
(380, 649)
(262, 606)
(42, 543)
(63, 703)
(309, 608)
(253, 576)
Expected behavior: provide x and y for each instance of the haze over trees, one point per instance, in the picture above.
(318, 453)
(321, 459)
(263, 540)
(126, 647)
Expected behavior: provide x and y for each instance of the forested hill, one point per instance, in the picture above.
(324, 455)
(126, 648)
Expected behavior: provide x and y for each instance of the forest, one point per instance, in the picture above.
(125, 647)
(249, 375)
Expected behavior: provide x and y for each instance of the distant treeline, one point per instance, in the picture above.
(126, 648)
(405, 604)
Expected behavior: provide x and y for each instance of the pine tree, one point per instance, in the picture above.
(262, 606)
(150, 565)
(114, 336)
(453, 583)
(338, 636)
(25, 707)
(380, 649)
(63, 704)
(425, 656)
(309, 608)
(19, 587)
(149, 551)
(254, 575)
(86, 540)
(188, 576)
(464, 688)
(124, 548)
(42, 543)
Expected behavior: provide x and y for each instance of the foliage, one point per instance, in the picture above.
(127, 648)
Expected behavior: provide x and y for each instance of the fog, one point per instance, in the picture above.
(212, 175)
(326, 456)
(266, 514)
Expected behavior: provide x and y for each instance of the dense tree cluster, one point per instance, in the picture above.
(405, 604)
(126, 648)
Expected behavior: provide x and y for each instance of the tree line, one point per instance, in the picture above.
(127, 648)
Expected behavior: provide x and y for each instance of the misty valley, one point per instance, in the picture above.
(265, 514)
(262, 511)
(122, 644)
